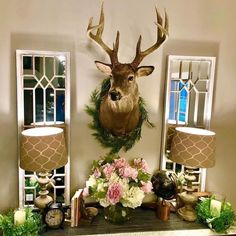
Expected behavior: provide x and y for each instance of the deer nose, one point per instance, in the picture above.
(115, 96)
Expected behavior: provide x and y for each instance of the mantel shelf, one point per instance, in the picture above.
(143, 222)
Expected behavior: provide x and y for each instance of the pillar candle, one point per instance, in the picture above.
(19, 217)
(215, 207)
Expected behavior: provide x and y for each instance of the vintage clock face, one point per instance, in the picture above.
(54, 216)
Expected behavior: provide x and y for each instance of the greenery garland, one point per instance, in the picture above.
(219, 224)
(104, 136)
(31, 227)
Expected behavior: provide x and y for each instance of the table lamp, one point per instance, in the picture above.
(193, 148)
(42, 150)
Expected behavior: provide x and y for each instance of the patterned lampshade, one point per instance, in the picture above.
(193, 147)
(43, 149)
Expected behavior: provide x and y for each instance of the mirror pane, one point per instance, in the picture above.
(189, 91)
(201, 109)
(205, 70)
(27, 65)
(46, 76)
(49, 67)
(28, 107)
(38, 66)
(44, 82)
(30, 81)
(39, 104)
(49, 104)
(60, 105)
(43, 100)
(58, 82)
(60, 64)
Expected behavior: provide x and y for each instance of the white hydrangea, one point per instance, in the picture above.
(103, 202)
(133, 197)
(91, 182)
(124, 183)
(114, 178)
(100, 187)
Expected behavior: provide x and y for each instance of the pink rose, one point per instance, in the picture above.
(141, 164)
(108, 170)
(97, 173)
(121, 162)
(147, 187)
(114, 193)
(128, 172)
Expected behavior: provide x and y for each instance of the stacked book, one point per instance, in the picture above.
(77, 208)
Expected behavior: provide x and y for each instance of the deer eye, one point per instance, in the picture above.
(130, 78)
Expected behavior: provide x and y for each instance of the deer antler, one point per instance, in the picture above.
(162, 34)
(98, 37)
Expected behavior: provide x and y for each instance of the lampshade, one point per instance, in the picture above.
(193, 147)
(43, 149)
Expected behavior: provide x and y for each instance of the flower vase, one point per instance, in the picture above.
(117, 214)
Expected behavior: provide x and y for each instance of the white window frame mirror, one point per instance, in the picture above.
(188, 102)
(43, 99)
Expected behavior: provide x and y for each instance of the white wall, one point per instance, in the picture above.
(197, 27)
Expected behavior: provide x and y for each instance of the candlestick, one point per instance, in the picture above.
(19, 217)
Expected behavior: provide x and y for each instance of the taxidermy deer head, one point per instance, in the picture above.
(119, 110)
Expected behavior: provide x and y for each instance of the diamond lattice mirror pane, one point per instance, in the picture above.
(27, 65)
(184, 70)
(201, 109)
(30, 81)
(201, 85)
(44, 81)
(175, 72)
(49, 104)
(205, 70)
(49, 67)
(58, 82)
(60, 105)
(60, 170)
(43, 99)
(195, 69)
(191, 109)
(28, 107)
(60, 64)
(38, 66)
(39, 104)
(189, 91)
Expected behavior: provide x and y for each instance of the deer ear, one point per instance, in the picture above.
(144, 70)
(103, 67)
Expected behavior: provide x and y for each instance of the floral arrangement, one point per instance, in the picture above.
(219, 221)
(23, 222)
(115, 180)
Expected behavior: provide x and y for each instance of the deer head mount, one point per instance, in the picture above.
(119, 110)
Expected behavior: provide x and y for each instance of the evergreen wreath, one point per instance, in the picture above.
(104, 136)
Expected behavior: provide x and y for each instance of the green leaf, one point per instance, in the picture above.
(100, 195)
(143, 176)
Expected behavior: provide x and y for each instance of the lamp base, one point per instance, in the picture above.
(187, 212)
(43, 199)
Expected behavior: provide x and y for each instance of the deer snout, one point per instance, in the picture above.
(115, 96)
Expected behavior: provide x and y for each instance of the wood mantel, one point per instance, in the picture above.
(143, 222)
